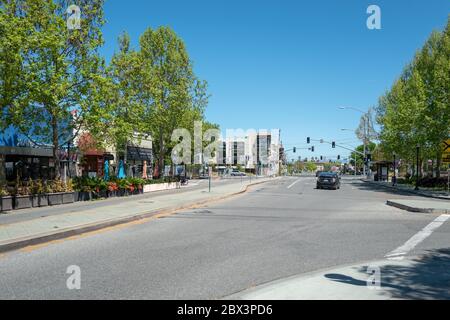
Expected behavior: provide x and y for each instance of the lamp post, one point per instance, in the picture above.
(366, 132)
(417, 166)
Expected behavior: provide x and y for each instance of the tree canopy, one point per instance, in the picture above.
(416, 110)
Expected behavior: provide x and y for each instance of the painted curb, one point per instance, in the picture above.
(21, 243)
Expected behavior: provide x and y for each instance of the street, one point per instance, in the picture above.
(275, 230)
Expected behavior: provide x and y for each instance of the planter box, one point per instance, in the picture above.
(160, 187)
(40, 200)
(76, 196)
(68, 197)
(6, 204)
(112, 194)
(84, 196)
(54, 199)
(23, 202)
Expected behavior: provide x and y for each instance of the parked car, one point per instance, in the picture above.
(237, 173)
(328, 180)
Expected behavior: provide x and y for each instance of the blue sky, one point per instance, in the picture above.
(288, 64)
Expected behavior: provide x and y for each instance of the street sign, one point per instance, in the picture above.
(446, 151)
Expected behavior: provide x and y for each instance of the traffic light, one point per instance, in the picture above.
(312, 149)
(321, 158)
(339, 157)
(308, 140)
(334, 145)
(295, 150)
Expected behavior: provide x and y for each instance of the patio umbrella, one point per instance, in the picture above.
(144, 171)
(121, 174)
(106, 174)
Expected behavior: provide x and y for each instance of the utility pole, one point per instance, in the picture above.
(365, 145)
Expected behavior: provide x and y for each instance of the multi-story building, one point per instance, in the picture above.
(256, 151)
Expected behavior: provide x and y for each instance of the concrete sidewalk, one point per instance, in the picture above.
(419, 278)
(442, 195)
(422, 206)
(47, 228)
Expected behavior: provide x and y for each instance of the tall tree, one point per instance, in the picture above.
(173, 96)
(59, 67)
(127, 104)
(417, 108)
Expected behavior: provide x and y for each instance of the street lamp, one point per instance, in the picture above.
(417, 166)
(366, 128)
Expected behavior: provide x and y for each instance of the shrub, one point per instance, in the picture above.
(4, 191)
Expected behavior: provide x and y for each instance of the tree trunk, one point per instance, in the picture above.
(438, 166)
(56, 148)
(161, 153)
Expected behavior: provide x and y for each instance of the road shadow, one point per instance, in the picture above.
(426, 278)
(365, 186)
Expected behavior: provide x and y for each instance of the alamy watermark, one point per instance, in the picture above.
(374, 20)
(374, 280)
(74, 280)
(239, 147)
(74, 19)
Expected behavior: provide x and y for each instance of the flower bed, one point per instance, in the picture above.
(52, 193)
(99, 188)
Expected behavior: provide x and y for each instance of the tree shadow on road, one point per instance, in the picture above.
(426, 278)
(363, 186)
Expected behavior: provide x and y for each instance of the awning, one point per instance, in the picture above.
(139, 154)
(27, 152)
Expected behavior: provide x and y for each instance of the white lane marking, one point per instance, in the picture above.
(293, 184)
(401, 252)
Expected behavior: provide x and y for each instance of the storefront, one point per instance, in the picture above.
(26, 163)
(137, 158)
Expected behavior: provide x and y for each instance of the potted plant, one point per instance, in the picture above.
(22, 196)
(123, 188)
(56, 189)
(6, 200)
(39, 193)
(68, 195)
(113, 189)
(101, 188)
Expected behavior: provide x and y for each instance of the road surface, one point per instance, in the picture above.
(276, 230)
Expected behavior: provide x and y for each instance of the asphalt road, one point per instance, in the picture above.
(276, 230)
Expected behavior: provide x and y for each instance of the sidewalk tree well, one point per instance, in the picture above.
(48, 72)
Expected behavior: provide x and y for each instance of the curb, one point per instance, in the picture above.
(415, 209)
(406, 190)
(67, 233)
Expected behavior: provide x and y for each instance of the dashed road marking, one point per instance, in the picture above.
(293, 184)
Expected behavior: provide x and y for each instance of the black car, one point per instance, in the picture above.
(328, 180)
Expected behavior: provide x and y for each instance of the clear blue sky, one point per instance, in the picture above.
(288, 64)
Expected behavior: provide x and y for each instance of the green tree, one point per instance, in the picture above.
(416, 111)
(56, 97)
(126, 110)
(311, 167)
(173, 97)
